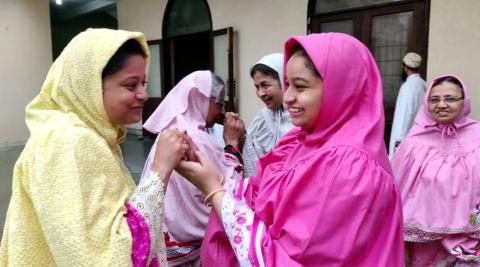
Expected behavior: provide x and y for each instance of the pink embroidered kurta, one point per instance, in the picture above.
(324, 197)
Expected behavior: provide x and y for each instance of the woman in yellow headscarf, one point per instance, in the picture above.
(74, 203)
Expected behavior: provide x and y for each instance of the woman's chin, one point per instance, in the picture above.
(132, 120)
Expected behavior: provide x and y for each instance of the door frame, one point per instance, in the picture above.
(363, 19)
(230, 83)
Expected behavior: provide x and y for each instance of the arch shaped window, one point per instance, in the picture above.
(185, 17)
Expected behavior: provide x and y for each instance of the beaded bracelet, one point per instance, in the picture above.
(207, 198)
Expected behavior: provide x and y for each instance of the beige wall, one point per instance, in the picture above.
(25, 56)
(454, 44)
(149, 23)
(145, 16)
(260, 28)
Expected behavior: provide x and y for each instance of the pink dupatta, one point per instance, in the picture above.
(325, 197)
(438, 171)
(186, 107)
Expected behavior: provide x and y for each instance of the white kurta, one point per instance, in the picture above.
(264, 132)
(409, 100)
(217, 132)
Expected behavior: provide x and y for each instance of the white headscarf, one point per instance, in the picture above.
(268, 126)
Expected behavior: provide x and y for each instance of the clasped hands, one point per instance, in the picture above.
(176, 151)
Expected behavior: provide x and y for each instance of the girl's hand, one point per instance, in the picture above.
(171, 148)
(192, 148)
(201, 174)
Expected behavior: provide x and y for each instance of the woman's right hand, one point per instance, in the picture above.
(171, 148)
(201, 173)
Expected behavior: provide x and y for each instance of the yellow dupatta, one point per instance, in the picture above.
(70, 184)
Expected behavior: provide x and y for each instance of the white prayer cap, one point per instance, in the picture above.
(412, 60)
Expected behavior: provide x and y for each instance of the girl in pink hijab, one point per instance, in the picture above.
(438, 170)
(325, 195)
(193, 105)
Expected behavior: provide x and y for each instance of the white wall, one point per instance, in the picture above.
(454, 44)
(26, 55)
(260, 28)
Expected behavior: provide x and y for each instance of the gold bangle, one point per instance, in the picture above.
(207, 198)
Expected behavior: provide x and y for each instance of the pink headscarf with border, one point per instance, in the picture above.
(437, 168)
(424, 121)
(186, 107)
(326, 196)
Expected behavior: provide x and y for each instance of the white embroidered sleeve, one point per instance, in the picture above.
(237, 220)
(148, 200)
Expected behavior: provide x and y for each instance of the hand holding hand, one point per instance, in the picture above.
(171, 148)
(201, 174)
(192, 148)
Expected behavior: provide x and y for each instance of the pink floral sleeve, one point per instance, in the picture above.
(237, 219)
(243, 228)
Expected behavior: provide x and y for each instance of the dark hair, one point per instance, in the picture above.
(116, 63)
(298, 50)
(412, 69)
(265, 70)
(449, 79)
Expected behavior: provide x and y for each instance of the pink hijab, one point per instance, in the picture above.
(186, 107)
(327, 197)
(438, 171)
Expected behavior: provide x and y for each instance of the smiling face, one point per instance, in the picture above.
(304, 93)
(445, 103)
(268, 90)
(124, 92)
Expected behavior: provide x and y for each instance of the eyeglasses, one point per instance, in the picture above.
(447, 99)
(220, 105)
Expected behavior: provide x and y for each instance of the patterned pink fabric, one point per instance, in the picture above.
(326, 197)
(440, 253)
(140, 237)
(437, 168)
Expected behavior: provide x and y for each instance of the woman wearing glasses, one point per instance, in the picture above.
(194, 105)
(438, 170)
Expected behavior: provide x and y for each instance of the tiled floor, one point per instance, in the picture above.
(134, 151)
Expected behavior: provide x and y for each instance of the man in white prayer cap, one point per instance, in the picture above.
(409, 99)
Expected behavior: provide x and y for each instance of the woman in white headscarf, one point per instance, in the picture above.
(273, 121)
